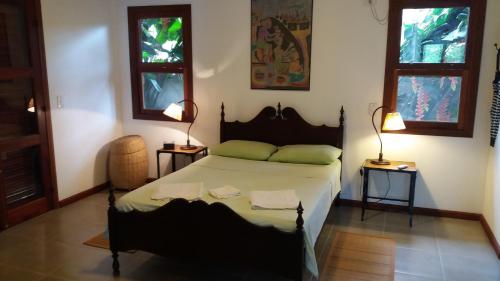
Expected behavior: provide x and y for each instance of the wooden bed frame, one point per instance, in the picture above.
(214, 233)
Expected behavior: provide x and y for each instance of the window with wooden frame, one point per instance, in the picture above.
(160, 60)
(432, 68)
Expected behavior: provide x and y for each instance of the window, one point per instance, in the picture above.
(432, 67)
(160, 60)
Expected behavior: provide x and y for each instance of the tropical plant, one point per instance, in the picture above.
(162, 40)
(432, 36)
(162, 89)
(431, 98)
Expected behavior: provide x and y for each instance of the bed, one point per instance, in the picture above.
(229, 232)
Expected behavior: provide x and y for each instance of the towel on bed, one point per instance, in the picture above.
(224, 192)
(278, 199)
(187, 190)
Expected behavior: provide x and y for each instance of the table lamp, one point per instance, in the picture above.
(174, 110)
(392, 122)
(31, 105)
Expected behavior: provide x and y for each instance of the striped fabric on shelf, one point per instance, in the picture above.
(495, 106)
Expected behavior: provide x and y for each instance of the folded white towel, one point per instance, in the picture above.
(224, 192)
(187, 190)
(278, 199)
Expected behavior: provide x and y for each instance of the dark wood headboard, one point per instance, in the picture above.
(281, 127)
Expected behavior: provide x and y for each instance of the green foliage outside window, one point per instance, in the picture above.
(162, 89)
(429, 98)
(434, 35)
(161, 40)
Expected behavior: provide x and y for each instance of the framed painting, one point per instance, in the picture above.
(281, 44)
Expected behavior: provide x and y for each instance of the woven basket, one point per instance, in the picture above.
(128, 162)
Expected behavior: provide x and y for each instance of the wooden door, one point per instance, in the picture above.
(27, 174)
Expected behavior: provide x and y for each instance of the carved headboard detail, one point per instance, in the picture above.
(281, 127)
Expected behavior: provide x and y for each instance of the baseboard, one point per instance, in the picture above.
(148, 180)
(491, 235)
(83, 194)
(416, 210)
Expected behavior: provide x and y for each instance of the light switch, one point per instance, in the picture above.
(59, 102)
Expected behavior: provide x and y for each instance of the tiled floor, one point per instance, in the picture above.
(49, 248)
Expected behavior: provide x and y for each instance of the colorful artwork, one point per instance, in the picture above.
(281, 44)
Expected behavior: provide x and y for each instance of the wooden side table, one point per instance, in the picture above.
(177, 150)
(391, 168)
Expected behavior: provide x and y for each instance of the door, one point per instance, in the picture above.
(27, 175)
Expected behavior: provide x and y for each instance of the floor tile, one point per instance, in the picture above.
(419, 263)
(360, 228)
(412, 238)
(52, 278)
(346, 215)
(409, 277)
(447, 228)
(17, 274)
(401, 219)
(44, 256)
(459, 268)
(435, 249)
(478, 248)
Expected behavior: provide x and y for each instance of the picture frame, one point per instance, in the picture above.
(281, 37)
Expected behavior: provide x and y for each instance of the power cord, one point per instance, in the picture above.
(381, 21)
(361, 183)
(389, 186)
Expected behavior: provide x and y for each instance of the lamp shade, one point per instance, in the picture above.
(31, 105)
(393, 122)
(174, 111)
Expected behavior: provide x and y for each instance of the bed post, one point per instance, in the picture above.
(222, 121)
(279, 113)
(300, 241)
(341, 142)
(112, 212)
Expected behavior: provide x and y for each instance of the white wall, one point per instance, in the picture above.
(79, 63)
(491, 210)
(348, 63)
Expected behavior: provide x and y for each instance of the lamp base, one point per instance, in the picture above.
(380, 162)
(188, 147)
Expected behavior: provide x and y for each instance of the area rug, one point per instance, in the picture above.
(101, 241)
(98, 241)
(357, 257)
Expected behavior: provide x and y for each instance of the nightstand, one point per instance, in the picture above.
(177, 150)
(391, 168)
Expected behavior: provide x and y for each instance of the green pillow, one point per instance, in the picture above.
(251, 150)
(306, 154)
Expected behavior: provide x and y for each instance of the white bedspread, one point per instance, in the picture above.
(315, 185)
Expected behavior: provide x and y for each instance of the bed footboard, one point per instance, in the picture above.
(214, 234)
